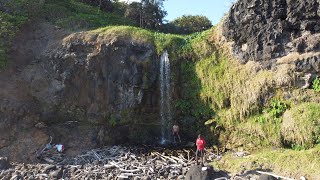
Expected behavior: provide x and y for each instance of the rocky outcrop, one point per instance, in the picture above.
(85, 90)
(98, 76)
(264, 30)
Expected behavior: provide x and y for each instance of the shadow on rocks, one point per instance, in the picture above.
(253, 174)
(198, 172)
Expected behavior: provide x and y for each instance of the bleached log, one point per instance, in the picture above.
(121, 176)
(96, 155)
(130, 174)
(221, 178)
(167, 157)
(130, 170)
(188, 152)
(44, 175)
(48, 160)
(175, 165)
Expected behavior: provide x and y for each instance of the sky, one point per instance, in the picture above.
(212, 9)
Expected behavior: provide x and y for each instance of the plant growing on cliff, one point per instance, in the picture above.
(277, 108)
(316, 84)
(9, 25)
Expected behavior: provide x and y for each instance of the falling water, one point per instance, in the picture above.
(165, 110)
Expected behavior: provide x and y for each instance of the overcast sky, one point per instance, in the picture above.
(213, 9)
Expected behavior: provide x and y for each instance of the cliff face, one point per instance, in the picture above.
(85, 90)
(264, 30)
(103, 75)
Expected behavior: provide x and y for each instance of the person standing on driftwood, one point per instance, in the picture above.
(175, 132)
(200, 148)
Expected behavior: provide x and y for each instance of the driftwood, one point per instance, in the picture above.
(113, 162)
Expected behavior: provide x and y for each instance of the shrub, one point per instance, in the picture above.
(316, 84)
(188, 24)
(301, 126)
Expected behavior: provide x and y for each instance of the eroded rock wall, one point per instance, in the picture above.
(86, 90)
(264, 30)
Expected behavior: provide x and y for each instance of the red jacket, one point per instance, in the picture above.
(200, 143)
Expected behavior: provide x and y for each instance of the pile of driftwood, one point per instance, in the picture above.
(139, 163)
(112, 162)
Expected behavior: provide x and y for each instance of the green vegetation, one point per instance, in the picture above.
(146, 13)
(70, 14)
(242, 106)
(75, 15)
(301, 126)
(9, 25)
(289, 163)
(188, 24)
(316, 84)
(233, 100)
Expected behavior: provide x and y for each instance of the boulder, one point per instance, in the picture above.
(197, 173)
(4, 163)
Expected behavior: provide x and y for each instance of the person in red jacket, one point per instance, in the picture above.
(200, 148)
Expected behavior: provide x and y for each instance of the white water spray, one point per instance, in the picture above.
(165, 97)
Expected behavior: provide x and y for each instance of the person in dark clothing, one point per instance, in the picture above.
(175, 132)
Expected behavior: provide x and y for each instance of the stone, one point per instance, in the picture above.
(57, 174)
(4, 163)
(272, 29)
(196, 173)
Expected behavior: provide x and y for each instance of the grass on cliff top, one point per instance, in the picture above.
(9, 25)
(75, 15)
(70, 14)
(162, 42)
(289, 163)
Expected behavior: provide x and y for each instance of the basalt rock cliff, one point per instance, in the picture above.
(84, 90)
(265, 30)
(93, 88)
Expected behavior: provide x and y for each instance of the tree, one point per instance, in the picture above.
(188, 24)
(133, 12)
(105, 5)
(147, 13)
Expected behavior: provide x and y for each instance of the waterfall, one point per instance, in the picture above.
(165, 109)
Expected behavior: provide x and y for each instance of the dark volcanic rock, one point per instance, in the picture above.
(83, 89)
(196, 173)
(4, 163)
(267, 29)
(100, 79)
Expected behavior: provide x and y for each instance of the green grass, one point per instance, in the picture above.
(161, 41)
(301, 126)
(126, 32)
(69, 14)
(75, 15)
(284, 162)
